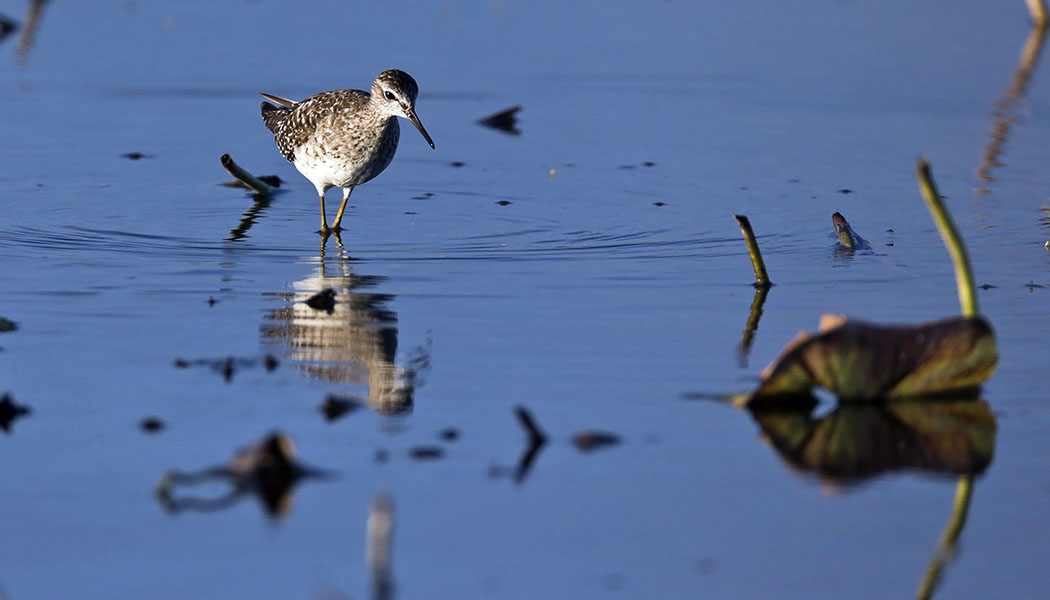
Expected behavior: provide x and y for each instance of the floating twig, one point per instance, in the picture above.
(247, 178)
(950, 234)
(761, 276)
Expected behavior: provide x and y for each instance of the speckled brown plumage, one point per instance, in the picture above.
(344, 138)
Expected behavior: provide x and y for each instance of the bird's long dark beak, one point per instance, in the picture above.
(415, 121)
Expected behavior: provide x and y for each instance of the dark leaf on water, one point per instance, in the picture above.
(7, 325)
(858, 361)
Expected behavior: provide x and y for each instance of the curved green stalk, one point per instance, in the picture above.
(952, 239)
(761, 276)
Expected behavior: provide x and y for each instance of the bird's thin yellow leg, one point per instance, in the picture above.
(324, 218)
(342, 207)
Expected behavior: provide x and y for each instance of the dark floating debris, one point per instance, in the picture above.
(151, 425)
(228, 366)
(381, 456)
(7, 27)
(987, 286)
(449, 434)
(505, 121)
(648, 163)
(212, 301)
(503, 202)
(423, 196)
(859, 361)
(270, 363)
(269, 470)
(323, 300)
(537, 440)
(335, 407)
(845, 191)
(7, 325)
(10, 411)
(136, 155)
(426, 453)
(458, 163)
(658, 203)
(586, 441)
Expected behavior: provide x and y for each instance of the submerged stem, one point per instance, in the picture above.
(952, 239)
(761, 276)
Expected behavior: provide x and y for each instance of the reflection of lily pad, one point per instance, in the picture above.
(862, 362)
(856, 441)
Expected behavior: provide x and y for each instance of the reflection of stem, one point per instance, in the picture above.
(29, 28)
(1004, 113)
(952, 239)
(380, 527)
(761, 276)
(946, 548)
(752, 323)
(249, 217)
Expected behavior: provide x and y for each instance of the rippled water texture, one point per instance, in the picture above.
(586, 266)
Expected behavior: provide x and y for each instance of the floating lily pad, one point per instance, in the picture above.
(861, 362)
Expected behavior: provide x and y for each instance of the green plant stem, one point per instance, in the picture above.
(761, 276)
(244, 176)
(950, 234)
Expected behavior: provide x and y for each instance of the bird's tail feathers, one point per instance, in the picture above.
(279, 101)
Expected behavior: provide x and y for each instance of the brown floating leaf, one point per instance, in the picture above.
(858, 441)
(858, 361)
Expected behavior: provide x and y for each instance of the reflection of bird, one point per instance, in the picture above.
(351, 341)
(346, 137)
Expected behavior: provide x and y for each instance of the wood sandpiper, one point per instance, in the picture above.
(345, 137)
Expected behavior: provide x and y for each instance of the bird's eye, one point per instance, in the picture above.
(389, 95)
